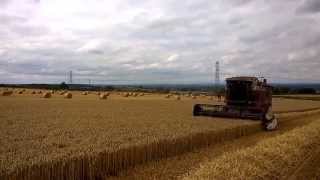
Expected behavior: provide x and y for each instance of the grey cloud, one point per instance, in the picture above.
(29, 30)
(11, 19)
(4, 3)
(309, 6)
(96, 52)
(19, 26)
(179, 32)
(248, 37)
(240, 2)
(235, 20)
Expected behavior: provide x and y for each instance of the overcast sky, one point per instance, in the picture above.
(158, 41)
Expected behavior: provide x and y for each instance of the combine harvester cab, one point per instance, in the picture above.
(245, 98)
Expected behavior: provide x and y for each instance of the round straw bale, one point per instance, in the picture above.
(84, 93)
(47, 95)
(68, 95)
(168, 96)
(6, 93)
(103, 96)
(194, 97)
(126, 95)
(178, 97)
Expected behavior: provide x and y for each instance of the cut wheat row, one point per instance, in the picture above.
(99, 164)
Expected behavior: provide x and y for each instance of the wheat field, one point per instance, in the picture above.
(85, 138)
(274, 158)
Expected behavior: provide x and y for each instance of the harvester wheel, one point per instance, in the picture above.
(270, 121)
(196, 110)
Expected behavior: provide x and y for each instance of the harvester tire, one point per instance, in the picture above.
(196, 110)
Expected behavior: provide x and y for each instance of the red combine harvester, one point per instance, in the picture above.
(247, 98)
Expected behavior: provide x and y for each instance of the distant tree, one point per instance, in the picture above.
(63, 85)
(221, 91)
(306, 91)
(108, 88)
(281, 90)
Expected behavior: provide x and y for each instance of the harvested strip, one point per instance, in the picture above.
(300, 97)
(298, 110)
(273, 158)
(287, 105)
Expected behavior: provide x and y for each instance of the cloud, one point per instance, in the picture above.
(4, 3)
(91, 46)
(158, 41)
(173, 58)
(11, 19)
(309, 6)
(240, 2)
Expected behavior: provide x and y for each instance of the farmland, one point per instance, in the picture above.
(313, 97)
(199, 164)
(110, 134)
(281, 156)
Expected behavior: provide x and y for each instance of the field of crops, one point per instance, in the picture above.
(313, 97)
(276, 158)
(266, 149)
(87, 137)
